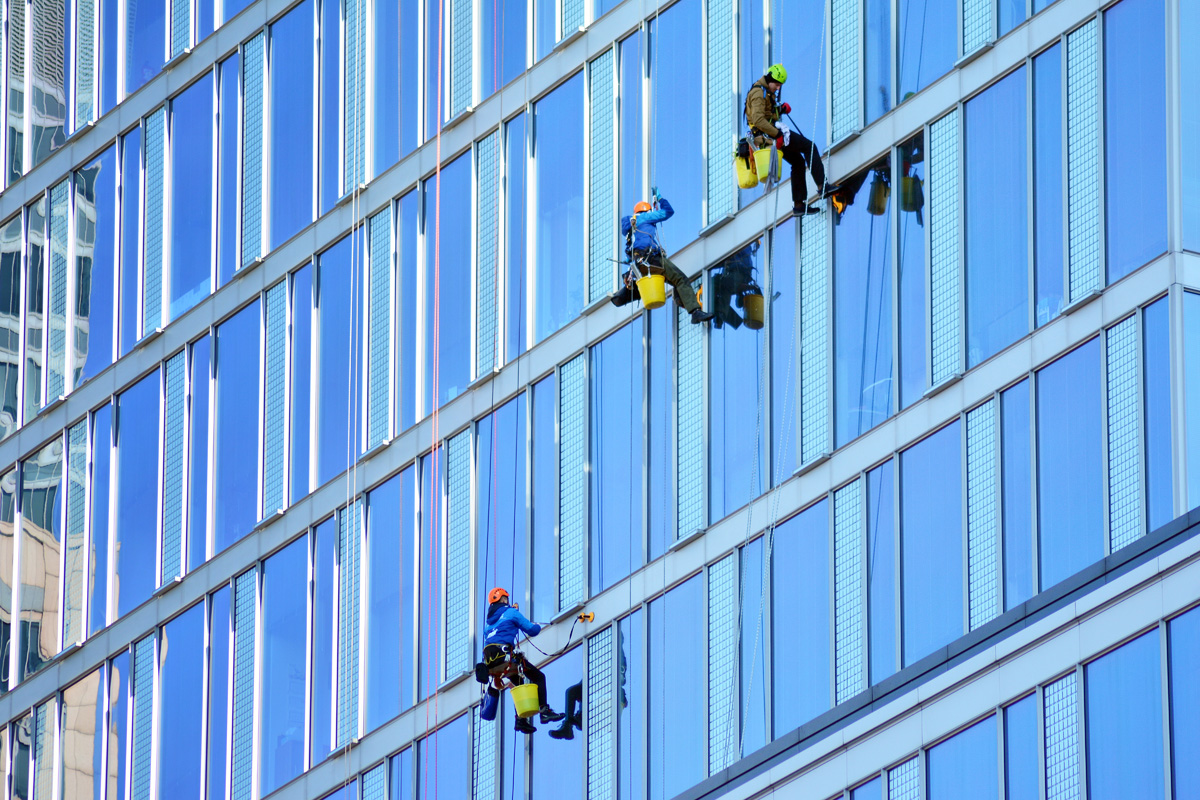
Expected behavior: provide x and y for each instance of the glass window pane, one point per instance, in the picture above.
(118, 740)
(1135, 119)
(444, 760)
(500, 497)
(228, 169)
(387, 581)
(82, 739)
(784, 361)
(558, 283)
(633, 125)
(502, 48)
(1017, 487)
(407, 237)
(1189, 71)
(661, 430)
(452, 270)
(558, 765)
(802, 47)
(1012, 14)
(515, 193)
(862, 312)
(331, 153)
(1184, 632)
(191, 195)
(386, 33)
(911, 302)
(800, 579)
(339, 379)
(676, 132)
(198, 437)
(410, 110)
(233, 7)
(137, 491)
(324, 634)
(1070, 425)
(285, 576)
(928, 42)
(95, 268)
(877, 57)
(997, 250)
(1048, 182)
(677, 680)
(35, 287)
(42, 502)
(965, 765)
(292, 123)
(10, 318)
(546, 24)
(218, 691)
(302, 320)
(752, 669)
(544, 594)
(235, 471)
(1124, 721)
(873, 790)
(631, 733)
(1156, 372)
(101, 486)
(752, 63)
(400, 778)
(145, 43)
(1191, 389)
(131, 189)
(881, 569)
(931, 542)
(8, 508)
(181, 704)
(432, 585)
(1021, 750)
(435, 11)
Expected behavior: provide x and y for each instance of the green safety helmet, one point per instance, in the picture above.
(777, 73)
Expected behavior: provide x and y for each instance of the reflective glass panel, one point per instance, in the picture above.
(1021, 750)
(881, 569)
(1017, 488)
(997, 249)
(385, 586)
(872, 790)
(329, 170)
(49, 65)
(661, 430)
(557, 772)
(1156, 373)
(1124, 721)
(862, 311)
(1191, 392)
(546, 27)
(284, 609)
(803, 47)
(137, 492)
(339, 378)
(118, 711)
(1135, 120)
(1012, 14)
(1184, 632)
(14, 131)
(677, 680)
(500, 500)
(191, 195)
(82, 739)
(877, 57)
(302, 321)
(35, 288)
(784, 363)
(752, 669)
(515, 199)
(800, 579)
(22, 735)
(631, 710)
(181, 704)
(407, 237)
(632, 122)
(1070, 425)
(432, 583)
(100, 491)
(1189, 71)
(8, 510)
(42, 503)
(400, 775)
(928, 42)
(232, 7)
(324, 634)
(386, 33)
(218, 691)
(447, 273)
(544, 595)
(227, 177)
(931, 543)
(444, 760)
(410, 81)
(235, 471)
(145, 44)
(10, 322)
(435, 107)
(965, 765)
(751, 56)
(1048, 183)
(131, 205)
(198, 442)
(911, 265)
(502, 46)
(292, 122)
(558, 280)
(95, 267)
(109, 11)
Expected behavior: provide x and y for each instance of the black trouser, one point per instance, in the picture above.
(574, 701)
(493, 654)
(802, 154)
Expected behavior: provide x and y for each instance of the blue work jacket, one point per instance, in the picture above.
(503, 625)
(645, 235)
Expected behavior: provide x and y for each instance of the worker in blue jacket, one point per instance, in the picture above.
(504, 624)
(647, 254)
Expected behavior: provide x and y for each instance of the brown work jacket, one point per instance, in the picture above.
(762, 113)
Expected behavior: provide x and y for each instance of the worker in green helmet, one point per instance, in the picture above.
(763, 112)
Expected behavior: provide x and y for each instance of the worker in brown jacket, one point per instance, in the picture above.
(763, 111)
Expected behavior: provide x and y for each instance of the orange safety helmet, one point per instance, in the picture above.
(497, 594)
(640, 207)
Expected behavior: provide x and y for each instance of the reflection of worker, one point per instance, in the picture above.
(763, 111)
(573, 700)
(501, 659)
(733, 279)
(644, 250)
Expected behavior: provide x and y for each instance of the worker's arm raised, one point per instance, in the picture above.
(661, 214)
(527, 627)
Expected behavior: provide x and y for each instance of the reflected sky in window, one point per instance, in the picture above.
(1021, 749)
(145, 32)
(1156, 374)
(910, 327)
(131, 182)
(784, 400)
(137, 492)
(632, 122)
(631, 731)
(515, 198)
(1184, 632)
(235, 498)
(227, 178)
(928, 42)
(281, 717)
(407, 236)
(95, 267)
(291, 122)
(677, 688)
(1048, 146)
(339, 381)
(201, 366)
(965, 765)
(301, 354)
(545, 499)
(181, 703)
(1017, 488)
(191, 195)
(558, 765)
(1189, 71)
(101, 487)
(324, 636)
(218, 691)
(447, 282)
(1124, 721)
(500, 498)
(881, 570)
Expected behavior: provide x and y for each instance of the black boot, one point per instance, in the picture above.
(524, 726)
(805, 209)
(700, 315)
(564, 731)
(550, 715)
(621, 298)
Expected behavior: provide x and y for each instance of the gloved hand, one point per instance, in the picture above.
(785, 108)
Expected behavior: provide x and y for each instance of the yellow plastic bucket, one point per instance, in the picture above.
(762, 161)
(752, 306)
(653, 290)
(911, 197)
(525, 698)
(746, 176)
(877, 203)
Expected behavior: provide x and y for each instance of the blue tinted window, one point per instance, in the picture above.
(232, 7)
(191, 195)
(118, 712)
(911, 264)
(452, 269)
(410, 603)
(800, 579)
(339, 314)
(752, 42)
(872, 790)
(1156, 372)
(877, 57)
(386, 579)
(145, 43)
(632, 123)
(407, 236)
(291, 123)
(101, 486)
(1135, 120)
(997, 231)
(201, 365)
(385, 103)
(783, 352)
(1017, 488)
(500, 501)
(432, 585)
(227, 178)
(1048, 183)
(444, 761)
(400, 775)
(181, 704)
(502, 47)
(862, 313)
(735, 383)
(675, 129)
(931, 542)
(235, 473)
(1021, 750)
(1185, 699)
(803, 48)
(881, 569)
(324, 637)
(410, 81)
(1012, 14)
(330, 148)
(109, 12)
(965, 765)
(558, 282)
(544, 595)
(435, 11)
(661, 428)
(284, 610)
(631, 733)
(1189, 71)
(10, 318)
(546, 27)
(131, 183)
(218, 692)
(677, 682)
(752, 669)
(1191, 390)
(515, 192)
(1124, 721)
(1070, 427)
(206, 17)
(928, 42)
(95, 265)
(302, 317)
(137, 491)
(558, 765)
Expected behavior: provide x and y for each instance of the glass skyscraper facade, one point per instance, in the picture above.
(304, 347)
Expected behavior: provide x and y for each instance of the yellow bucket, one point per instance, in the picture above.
(762, 160)
(752, 305)
(525, 698)
(653, 290)
(911, 197)
(747, 178)
(877, 203)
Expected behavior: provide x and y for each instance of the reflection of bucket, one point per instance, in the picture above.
(752, 307)
(911, 196)
(762, 161)
(525, 698)
(747, 177)
(878, 201)
(653, 290)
